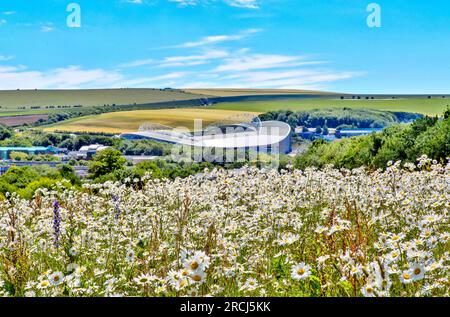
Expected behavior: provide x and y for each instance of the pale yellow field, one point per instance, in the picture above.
(129, 121)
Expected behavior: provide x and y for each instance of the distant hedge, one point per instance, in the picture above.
(341, 117)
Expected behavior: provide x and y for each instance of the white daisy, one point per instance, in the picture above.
(301, 271)
(56, 278)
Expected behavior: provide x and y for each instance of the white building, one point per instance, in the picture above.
(266, 137)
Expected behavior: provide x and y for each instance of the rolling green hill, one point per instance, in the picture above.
(425, 106)
(23, 100)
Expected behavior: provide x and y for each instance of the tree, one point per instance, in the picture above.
(105, 162)
(5, 132)
(18, 156)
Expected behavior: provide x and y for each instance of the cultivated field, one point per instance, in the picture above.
(227, 233)
(128, 121)
(13, 121)
(423, 106)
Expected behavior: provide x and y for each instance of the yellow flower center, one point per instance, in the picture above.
(194, 265)
(406, 276)
(301, 271)
(197, 278)
(183, 283)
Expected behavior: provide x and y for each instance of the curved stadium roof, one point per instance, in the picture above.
(267, 133)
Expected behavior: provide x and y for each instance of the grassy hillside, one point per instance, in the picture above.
(227, 92)
(423, 106)
(13, 100)
(129, 121)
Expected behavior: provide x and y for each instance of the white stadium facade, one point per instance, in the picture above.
(272, 137)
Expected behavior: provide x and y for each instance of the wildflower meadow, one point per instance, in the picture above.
(247, 232)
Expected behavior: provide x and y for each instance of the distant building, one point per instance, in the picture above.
(349, 133)
(88, 151)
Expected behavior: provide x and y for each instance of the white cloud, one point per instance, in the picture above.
(5, 58)
(9, 12)
(286, 79)
(68, 77)
(141, 62)
(192, 60)
(162, 80)
(47, 27)
(214, 39)
(3, 22)
(247, 4)
(134, 1)
(262, 61)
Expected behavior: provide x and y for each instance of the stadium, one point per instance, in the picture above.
(243, 133)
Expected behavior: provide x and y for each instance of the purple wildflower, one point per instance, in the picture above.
(56, 223)
(117, 207)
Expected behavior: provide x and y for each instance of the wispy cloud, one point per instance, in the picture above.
(286, 78)
(161, 80)
(9, 12)
(179, 61)
(67, 77)
(247, 4)
(262, 61)
(192, 60)
(243, 69)
(4, 58)
(137, 63)
(134, 1)
(47, 27)
(215, 39)
(3, 22)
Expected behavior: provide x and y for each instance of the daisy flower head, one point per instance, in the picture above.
(43, 284)
(300, 271)
(418, 271)
(56, 278)
(143, 279)
(129, 256)
(368, 290)
(198, 277)
(406, 277)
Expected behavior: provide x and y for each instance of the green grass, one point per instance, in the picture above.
(423, 106)
(11, 100)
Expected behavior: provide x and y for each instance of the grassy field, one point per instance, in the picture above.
(14, 100)
(227, 92)
(423, 106)
(129, 121)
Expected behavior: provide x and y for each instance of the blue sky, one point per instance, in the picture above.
(310, 44)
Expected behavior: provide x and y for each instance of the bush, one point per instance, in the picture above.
(106, 162)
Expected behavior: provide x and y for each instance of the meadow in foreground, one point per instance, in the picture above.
(235, 233)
